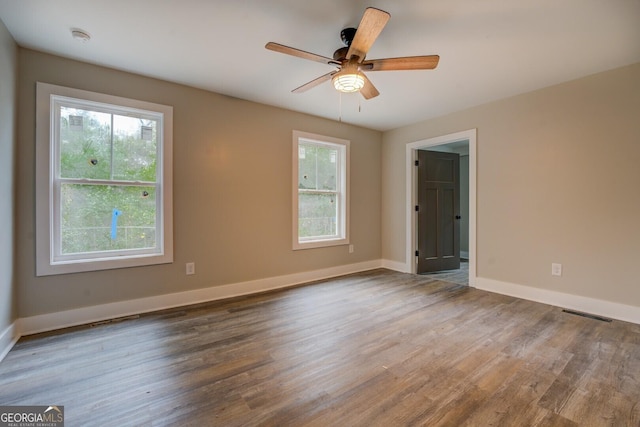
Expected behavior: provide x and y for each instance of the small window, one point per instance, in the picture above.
(320, 187)
(103, 197)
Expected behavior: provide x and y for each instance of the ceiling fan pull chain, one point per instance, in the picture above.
(340, 107)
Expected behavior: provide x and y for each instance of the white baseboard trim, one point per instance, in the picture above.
(86, 315)
(395, 266)
(8, 338)
(97, 313)
(612, 310)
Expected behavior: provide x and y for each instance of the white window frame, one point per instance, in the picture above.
(342, 187)
(48, 259)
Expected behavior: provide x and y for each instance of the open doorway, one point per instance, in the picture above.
(463, 143)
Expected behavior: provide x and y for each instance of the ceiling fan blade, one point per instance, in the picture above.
(276, 47)
(369, 90)
(313, 83)
(427, 62)
(371, 25)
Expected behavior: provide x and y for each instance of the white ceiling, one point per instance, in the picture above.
(488, 49)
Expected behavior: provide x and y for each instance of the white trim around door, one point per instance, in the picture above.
(411, 196)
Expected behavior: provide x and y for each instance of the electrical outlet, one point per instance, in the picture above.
(556, 269)
(191, 268)
(351, 249)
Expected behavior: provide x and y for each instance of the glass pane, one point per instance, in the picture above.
(327, 168)
(134, 148)
(85, 144)
(102, 218)
(317, 167)
(317, 215)
(307, 166)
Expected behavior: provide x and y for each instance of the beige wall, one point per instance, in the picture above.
(232, 191)
(8, 137)
(558, 181)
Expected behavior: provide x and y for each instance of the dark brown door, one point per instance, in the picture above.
(438, 211)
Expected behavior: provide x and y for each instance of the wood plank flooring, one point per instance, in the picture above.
(373, 349)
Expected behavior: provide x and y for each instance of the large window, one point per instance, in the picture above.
(103, 197)
(320, 186)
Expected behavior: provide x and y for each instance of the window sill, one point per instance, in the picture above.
(319, 244)
(76, 266)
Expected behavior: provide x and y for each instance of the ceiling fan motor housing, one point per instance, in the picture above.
(347, 35)
(340, 54)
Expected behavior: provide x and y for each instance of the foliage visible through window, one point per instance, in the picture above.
(321, 202)
(118, 210)
(107, 198)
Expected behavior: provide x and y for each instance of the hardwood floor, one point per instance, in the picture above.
(459, 276)
(373, 349)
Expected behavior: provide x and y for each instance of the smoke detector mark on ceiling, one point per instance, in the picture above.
(80, 35)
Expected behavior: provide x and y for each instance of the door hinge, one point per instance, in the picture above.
(417, 208)
(417, 253)
(417, 163)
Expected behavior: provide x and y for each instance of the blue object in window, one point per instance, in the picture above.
(114, 223)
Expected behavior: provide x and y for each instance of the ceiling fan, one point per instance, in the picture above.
(350, 60)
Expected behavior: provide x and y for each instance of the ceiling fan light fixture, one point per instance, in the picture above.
(348, 81)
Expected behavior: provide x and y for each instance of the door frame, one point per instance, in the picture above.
(412, 189)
